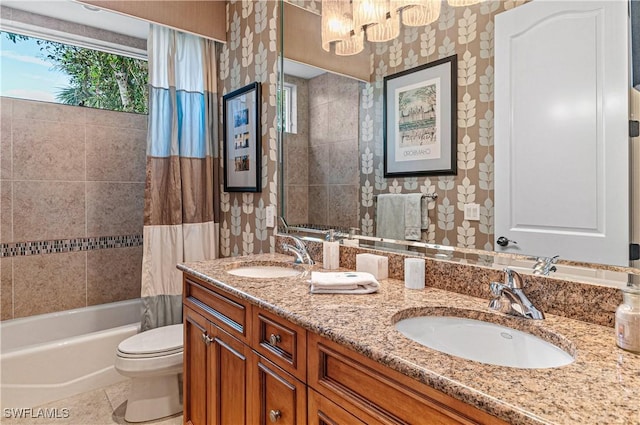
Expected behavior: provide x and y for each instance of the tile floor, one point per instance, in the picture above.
(105, 406)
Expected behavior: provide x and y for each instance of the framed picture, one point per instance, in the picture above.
(242, 139)
(420, 120)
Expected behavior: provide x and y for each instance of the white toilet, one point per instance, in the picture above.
(153, 361)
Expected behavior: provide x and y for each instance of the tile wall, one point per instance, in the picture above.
(296, 157)
(333, 150)
(72, 199)
(321, 158)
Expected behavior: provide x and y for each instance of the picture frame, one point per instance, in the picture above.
(420, 120)
(242, 146)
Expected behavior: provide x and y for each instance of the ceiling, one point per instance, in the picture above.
(68, 10)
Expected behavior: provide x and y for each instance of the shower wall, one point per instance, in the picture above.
(71, 206)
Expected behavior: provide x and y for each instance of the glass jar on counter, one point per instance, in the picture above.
(628, 320)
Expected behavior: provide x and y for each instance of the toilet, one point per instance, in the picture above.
(153, 361)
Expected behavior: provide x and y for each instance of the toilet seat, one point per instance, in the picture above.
(158, 342)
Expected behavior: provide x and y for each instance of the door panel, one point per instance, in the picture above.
(195, 369)
(561, 144)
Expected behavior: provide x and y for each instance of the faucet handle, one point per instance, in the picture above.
(496, 288)
(513, 279)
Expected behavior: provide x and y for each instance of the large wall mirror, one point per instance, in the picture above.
(332, 143)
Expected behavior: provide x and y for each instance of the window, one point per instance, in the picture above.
(289, 108)
(38, 69)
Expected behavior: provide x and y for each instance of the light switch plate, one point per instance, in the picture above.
(472, 212)
(271, 216)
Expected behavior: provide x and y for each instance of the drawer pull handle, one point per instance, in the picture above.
(206, 339)
(274, 339)
(274, 415)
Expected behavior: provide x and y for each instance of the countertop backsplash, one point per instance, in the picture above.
(576, 300)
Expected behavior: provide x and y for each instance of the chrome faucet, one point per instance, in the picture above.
(545, 265)
(510, 298)
(300, 251)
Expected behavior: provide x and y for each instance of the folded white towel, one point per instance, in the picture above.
(343, 283)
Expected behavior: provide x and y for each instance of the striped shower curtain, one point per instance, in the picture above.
(180, 223)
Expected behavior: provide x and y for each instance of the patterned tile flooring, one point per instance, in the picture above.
(105, 406)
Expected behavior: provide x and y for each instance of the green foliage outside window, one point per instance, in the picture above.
(97, 79)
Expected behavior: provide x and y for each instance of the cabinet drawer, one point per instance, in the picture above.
(277, 397)
(280, 341)
(379, 395)
(228, 312)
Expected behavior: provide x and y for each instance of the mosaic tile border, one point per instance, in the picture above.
(68, 245)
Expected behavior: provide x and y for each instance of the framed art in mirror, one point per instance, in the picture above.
(420, 120)
(242, 139)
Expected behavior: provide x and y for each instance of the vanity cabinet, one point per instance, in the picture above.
(216, 368)
(245, 365)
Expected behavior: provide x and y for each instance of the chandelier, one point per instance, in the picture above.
(346, 22)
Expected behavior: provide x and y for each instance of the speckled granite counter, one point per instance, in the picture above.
(602, 386)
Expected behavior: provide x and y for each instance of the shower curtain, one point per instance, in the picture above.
(180, 220)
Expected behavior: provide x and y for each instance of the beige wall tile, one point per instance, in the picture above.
(318, 205)
(297, 204)
(342, 166)
(48, 210)
(116, 154)
(116, 119)
(114, 208)
(5, 138)
(33, 110)
(6, 289)
(297, 168)
(113, 274)
(45, 150)
(319, 166)
(47, 283)
(343, 205)
(6, 218)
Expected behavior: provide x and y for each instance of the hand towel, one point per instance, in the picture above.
(390, 216)
(343, 283)
(413, 216)
(424, 202)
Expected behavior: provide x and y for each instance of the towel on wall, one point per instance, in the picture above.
(413, 216)
(401, 216)
(390, 216)
(343, 283)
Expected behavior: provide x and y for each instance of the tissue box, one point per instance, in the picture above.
(377, 265)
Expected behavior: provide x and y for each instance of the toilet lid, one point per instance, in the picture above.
(164, 340)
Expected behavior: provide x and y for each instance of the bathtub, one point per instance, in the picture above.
(57, 355)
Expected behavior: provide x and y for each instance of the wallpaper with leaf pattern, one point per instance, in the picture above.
(467, 32)
(251, 54)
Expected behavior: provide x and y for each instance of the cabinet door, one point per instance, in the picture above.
(277, 397)
(323, 411)
(195, 368)
(227, 390)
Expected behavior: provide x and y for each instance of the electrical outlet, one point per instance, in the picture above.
(472, 212)
(271, 215)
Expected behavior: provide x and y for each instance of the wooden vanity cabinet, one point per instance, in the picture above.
(245, 365)
(376, 394)
(216, 370)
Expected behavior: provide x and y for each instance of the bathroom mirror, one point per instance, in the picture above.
(466, 32)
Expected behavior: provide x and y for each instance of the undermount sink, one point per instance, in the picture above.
(483, 342)
(265, 272)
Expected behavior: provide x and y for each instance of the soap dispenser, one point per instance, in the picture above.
(330, 252)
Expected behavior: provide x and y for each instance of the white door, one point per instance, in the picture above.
(561, 130)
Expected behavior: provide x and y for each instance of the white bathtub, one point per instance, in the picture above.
(57, 355)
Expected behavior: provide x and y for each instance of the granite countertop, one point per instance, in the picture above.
(602, 386)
